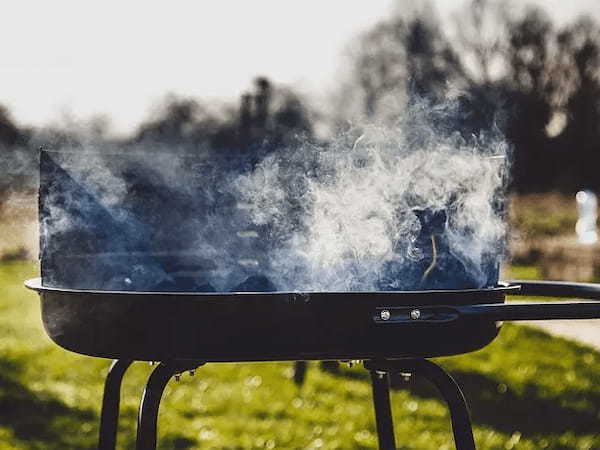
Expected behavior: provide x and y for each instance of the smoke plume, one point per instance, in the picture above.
(416, 205)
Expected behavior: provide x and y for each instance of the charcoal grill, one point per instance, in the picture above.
(120, 281)
(392, 332)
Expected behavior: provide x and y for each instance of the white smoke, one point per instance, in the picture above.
(359, 196)
(336, 216)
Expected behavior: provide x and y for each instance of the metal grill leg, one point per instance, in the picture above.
(300, 372)
(459, 412)
(380, 381)
(109, 417)
(148, 415)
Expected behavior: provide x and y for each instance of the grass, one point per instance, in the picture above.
(18, 227)
(543, 215)
(518, 272)
(526, 391)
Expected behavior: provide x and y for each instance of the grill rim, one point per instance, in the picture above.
(36, 284)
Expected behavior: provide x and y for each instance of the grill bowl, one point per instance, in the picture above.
(259, 326)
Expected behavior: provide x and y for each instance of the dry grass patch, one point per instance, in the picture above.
(19, 227)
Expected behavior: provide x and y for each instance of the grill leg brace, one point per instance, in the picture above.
(148, 415)
(380, 381)
(459, 412)
(109, 417)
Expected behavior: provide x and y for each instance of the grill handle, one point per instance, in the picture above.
(506, 311)
(563, 289)
(544, 310)
(492, 312)
(532, 311)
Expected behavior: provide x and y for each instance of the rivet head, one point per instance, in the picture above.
(385, 315)
(406, 376)
(415, 314)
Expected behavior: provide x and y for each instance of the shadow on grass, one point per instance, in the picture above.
(496, 405)
(40, 419)
(177, 442)
(528, 411)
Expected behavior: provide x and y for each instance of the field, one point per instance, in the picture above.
(18, 227)
(526, 390)
(543, 215)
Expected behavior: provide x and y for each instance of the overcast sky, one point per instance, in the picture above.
(118, 58)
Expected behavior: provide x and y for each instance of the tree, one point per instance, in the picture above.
(16, 163)
(268, 117)
(579, 48)
(506, 67)
(400, 57)
(530, 90)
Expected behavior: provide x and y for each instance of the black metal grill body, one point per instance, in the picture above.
(141, 245)
(375, 326)
(260, 326)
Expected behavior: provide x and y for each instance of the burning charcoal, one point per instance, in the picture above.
(436, 267)
(119, 283)
(255, 283)
(206, 287)
(432, 222)
(439, 268)
(189, 284)
(166, 285)
(333, 217)
(183, 284)
(135, 273)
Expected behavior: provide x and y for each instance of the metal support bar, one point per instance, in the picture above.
(389, 316)
(564, 289)
(380, 382)
(532, 311)
(148, 415)
(300, 372)
(459, 412)
(109, 416)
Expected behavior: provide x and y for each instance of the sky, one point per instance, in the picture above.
(69, 58)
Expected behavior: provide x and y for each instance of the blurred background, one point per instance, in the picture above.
(228, 75)
(234, 75)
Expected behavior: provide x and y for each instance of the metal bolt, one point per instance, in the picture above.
(415, 314)
(385, 315)
(177, 376)
(406, 376)
(380, 374)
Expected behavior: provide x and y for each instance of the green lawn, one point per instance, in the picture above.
(526, 391)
